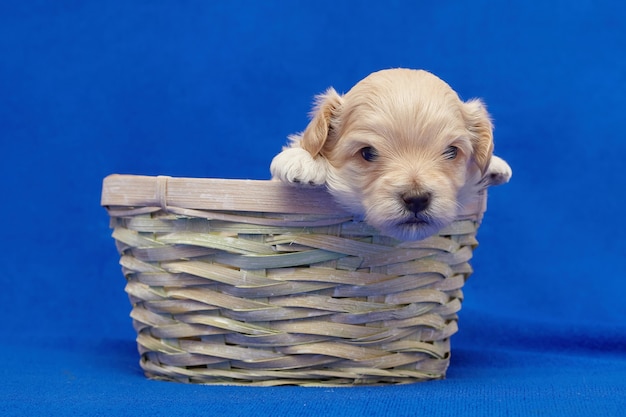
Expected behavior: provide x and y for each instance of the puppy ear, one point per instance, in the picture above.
(480, 127)
(316, 133)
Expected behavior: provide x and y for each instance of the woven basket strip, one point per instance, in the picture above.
(381, 315)
(260, 219)
(170, 253)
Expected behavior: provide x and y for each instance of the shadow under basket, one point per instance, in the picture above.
(245, 282)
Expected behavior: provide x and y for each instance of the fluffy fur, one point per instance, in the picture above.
(400, 149)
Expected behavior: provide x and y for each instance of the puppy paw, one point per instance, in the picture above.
(499, 172)
(297, 166)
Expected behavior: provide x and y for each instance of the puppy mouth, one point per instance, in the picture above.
(411, 228)
(414, 221)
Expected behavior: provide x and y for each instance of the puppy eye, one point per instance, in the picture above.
(451, 152)
(369, 154)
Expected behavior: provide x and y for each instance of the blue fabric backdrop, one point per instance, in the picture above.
(212, 88)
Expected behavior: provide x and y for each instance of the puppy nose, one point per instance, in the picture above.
(416, 203)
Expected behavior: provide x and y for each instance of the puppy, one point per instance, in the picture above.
(399, 150)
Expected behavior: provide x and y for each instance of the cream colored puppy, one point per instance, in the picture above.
(400, 150)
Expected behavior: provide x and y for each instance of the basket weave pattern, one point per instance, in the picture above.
(237, 296)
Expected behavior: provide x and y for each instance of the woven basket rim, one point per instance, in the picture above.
(266, 196)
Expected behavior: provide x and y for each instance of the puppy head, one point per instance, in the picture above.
(400, 149)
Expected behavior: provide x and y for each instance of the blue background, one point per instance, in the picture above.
(212, 89)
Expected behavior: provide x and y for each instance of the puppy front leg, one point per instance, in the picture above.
(296, 165)
(499, 172)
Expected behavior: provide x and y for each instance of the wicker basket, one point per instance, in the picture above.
(259, 283)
